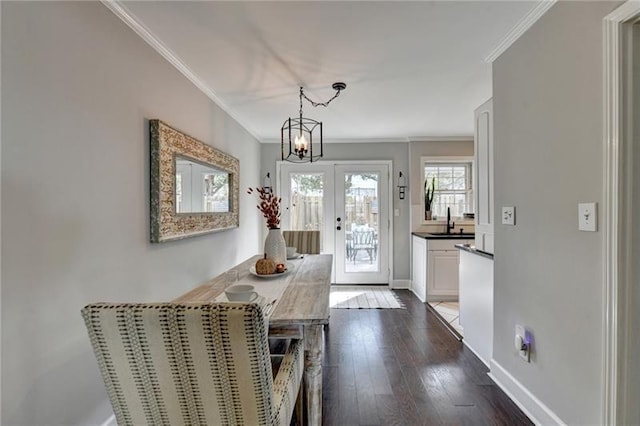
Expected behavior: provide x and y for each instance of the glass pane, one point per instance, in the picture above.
(361, 222)
(452, 189)
(459, 183)
(306, 209)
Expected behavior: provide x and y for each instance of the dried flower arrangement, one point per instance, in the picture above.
(269, 205)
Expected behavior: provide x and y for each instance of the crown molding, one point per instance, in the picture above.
(354, 140)
(520, 28)
(147, 35)
(458, 138)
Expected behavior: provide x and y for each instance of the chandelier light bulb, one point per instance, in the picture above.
(300, 143)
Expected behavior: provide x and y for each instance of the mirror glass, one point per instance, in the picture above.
(194, 187)
(200, 188)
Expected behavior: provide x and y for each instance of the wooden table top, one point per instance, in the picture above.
(305, 299)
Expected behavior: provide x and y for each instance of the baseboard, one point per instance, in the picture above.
(417, 295)
(401, 284)
(476, 354)
(537, 412)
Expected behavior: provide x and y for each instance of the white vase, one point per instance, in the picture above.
(275, 247)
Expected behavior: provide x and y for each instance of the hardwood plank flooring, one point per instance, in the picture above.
(403, 367)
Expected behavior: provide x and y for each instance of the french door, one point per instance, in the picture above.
(349, 204)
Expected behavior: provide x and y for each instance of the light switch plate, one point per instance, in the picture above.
(587, 217)
(508, 215)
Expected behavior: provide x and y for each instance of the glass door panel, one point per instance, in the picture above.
(361, 243)
(306, 211)
(307, 200)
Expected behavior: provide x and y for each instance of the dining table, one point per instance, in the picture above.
(296, 304)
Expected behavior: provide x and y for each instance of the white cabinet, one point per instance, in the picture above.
(434, 268)
(483, 182)
(442, 269)
(443, 274)
(419, 268)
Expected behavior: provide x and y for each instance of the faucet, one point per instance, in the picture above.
(450, 225)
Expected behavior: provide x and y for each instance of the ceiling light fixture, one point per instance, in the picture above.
(299, 132)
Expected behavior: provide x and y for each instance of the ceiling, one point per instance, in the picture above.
(414, 70)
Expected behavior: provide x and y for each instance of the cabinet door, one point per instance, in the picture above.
(443, 274)
(419, 268)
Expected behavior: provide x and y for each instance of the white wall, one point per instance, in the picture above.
(78, 90)
(399, 154)
(548, 157)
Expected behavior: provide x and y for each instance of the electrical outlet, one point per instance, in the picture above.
(508, 215)
(587, 217)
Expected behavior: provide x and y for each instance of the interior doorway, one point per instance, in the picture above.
(621, 71)
(349, 204)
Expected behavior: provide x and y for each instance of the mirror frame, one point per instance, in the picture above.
(167, 225)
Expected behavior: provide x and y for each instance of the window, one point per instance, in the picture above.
(451, 180)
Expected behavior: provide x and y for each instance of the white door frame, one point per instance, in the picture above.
(617, 214)
(389, 164)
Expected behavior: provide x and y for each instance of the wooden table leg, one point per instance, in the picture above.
(313, 372)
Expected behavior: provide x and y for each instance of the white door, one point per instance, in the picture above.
(362, 224)
(349, 205)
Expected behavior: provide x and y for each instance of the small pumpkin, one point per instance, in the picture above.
(265, 266)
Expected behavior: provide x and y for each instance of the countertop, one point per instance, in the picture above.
(443, 236)
(472, 249)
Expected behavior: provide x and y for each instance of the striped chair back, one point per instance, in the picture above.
(199, 364)
(306, 242)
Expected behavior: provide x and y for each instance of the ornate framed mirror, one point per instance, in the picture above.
(194, 187)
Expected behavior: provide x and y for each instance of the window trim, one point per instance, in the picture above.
(463, 159)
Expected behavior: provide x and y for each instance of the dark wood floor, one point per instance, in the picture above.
(402, 367)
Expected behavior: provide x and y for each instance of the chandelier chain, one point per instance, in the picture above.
(317, 104)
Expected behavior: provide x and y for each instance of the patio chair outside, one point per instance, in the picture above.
(363, 240)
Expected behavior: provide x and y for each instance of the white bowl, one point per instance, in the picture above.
(241, 293)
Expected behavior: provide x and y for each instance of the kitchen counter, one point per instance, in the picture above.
(443, 236)
(473, 250)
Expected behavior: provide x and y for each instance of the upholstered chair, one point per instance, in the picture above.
(192, 364)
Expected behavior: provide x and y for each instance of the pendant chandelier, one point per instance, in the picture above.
(304, 135)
